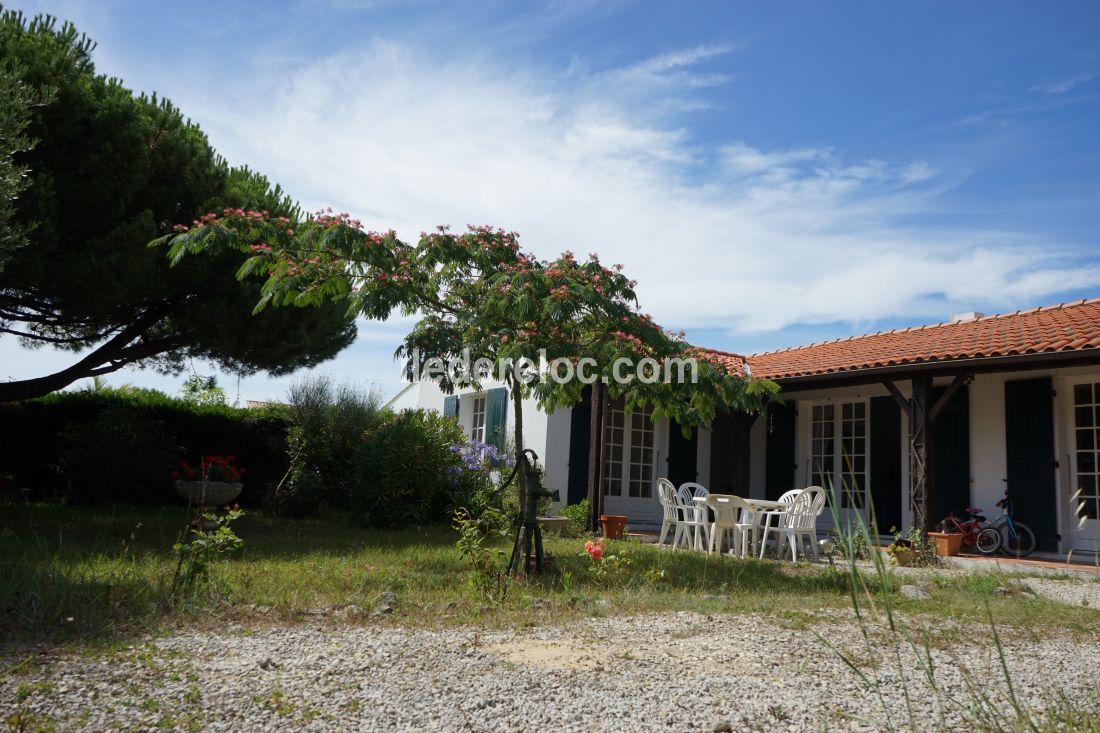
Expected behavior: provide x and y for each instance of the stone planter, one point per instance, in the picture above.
(947, 543)
(217, 492)
(558, 524)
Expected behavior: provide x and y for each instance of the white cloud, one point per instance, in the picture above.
(1061, 86)
(729, 236)
(675, 68)
(766, 239)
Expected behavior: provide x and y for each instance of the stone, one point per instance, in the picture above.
(385, 604)
(915, 592)
(352, 612)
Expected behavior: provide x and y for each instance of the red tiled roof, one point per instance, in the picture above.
(1059, 328)
(732, 363)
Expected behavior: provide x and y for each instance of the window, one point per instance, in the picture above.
(641, 455)
(1086, 423)
(840, 467)
(477, 426)
(628, 453)
(613, 436)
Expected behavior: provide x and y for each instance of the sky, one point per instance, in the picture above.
(772, 174)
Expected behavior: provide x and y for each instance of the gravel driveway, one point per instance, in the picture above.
(671, 672)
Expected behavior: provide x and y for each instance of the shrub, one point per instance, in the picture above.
(299, 494)
(577, 517)
(327, 426)
(402, 467)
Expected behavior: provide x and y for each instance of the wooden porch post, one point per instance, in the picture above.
(921, 480)
(922, 414)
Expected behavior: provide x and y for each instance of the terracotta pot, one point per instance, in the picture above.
(217, 492)
(947, 543)
(613, 525)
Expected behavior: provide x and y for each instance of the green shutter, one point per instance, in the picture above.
(496, 406)
(1029, 443)
(951, 454)
(682, 455)
(886, 488)
(580, 438)
(779, 460)
(450, 406)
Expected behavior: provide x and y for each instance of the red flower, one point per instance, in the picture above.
(594, 549)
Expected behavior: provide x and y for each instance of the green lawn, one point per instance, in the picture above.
(102, 573)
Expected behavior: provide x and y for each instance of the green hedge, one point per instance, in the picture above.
(120, 445)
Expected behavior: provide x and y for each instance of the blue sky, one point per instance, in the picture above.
(771, 173)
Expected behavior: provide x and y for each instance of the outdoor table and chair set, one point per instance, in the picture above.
(704, 521)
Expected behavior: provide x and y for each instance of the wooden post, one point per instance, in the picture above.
(922, 414)
(921, 479)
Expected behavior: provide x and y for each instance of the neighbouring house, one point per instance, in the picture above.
(971, 408)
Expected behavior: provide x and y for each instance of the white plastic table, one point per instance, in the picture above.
(759, 507)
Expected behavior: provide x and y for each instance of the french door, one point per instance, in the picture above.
(1086, 465)
(838, 459)
(629, 460)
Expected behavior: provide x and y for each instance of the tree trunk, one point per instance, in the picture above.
(115, 353)
(595, 467)
(517, 406)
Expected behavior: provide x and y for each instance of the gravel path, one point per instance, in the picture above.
(671, 672)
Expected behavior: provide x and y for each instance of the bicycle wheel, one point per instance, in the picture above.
(989, 540)
(1020, 543)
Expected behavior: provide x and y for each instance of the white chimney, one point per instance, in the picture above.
(968, 316)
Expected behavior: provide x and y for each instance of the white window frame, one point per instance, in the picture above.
(1091, 496)
(477, 418)
(631, 473)
(834, 476)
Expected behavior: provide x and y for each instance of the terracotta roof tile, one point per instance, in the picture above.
(1051, 329)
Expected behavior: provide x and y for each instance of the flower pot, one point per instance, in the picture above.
(613, 525)
(217, 492)
(947, 543)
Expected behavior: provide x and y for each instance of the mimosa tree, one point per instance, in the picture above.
(480, 295)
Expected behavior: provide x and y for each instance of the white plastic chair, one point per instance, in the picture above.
(666, 494)
(730, 514)
(800, 521)
(693, 516)
(766, 518)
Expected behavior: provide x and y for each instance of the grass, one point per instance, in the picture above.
(100, 576)
(97, 574)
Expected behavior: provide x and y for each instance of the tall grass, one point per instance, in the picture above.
(917, 661)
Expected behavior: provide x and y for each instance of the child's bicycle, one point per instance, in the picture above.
(985, 540)
(1017, 539)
